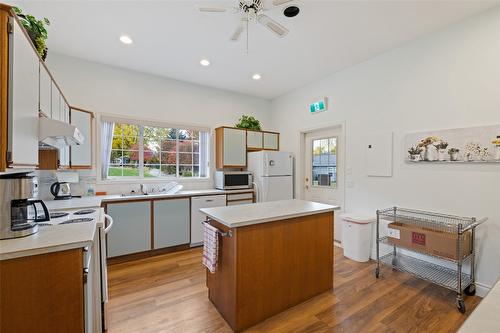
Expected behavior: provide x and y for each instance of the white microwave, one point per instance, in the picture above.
(233, 180)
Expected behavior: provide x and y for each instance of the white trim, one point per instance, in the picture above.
(482, 289)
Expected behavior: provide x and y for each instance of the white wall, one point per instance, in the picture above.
(449, 79)
(110, 90)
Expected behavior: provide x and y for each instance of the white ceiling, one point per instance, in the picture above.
(170, 37)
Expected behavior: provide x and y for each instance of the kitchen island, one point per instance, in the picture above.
(273, 256)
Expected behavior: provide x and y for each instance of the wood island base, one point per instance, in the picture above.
(266, 268)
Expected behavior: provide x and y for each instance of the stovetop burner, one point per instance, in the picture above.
(80, 220)
(84, 212)
(57, 215)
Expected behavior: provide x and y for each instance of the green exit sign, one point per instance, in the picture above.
(318, 106)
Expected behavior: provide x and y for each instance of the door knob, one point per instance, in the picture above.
(307, 179)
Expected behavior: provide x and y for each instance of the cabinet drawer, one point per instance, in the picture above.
(241, 196)
(236, 203)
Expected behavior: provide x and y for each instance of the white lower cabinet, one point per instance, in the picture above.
(197, 217)
(171, 222)
(131, 231)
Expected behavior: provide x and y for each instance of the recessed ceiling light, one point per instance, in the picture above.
(257, 77)
(204, 62)
(126, 39)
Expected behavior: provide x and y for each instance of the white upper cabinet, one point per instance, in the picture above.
(254, 140)
(56, 103)
(81, 156)
(271, 141)
(23, 104)
(234, 147)
(45, 91)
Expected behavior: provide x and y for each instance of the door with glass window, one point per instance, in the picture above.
(323, 169)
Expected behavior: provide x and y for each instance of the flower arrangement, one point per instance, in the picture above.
(475, 150)
(428, 141)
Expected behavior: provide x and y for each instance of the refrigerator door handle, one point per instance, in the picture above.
(256, 191)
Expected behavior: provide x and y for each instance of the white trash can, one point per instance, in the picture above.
(357, 236)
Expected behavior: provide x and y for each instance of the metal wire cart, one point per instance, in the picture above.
(453, 278)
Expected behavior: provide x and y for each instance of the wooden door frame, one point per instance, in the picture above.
(300, 167)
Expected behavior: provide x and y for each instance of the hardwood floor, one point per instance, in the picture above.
(168, 294)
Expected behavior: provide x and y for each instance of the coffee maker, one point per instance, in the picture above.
(18, 211)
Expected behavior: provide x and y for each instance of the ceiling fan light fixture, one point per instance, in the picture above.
(256, 76)
(126, 39)
(205, 62)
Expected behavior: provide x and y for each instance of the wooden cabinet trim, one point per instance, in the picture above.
(5, 14)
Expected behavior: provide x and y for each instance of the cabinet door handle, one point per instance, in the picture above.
(209, 200)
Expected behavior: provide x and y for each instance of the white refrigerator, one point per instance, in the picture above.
(273, 174)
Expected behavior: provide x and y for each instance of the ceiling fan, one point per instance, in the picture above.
(250, 11)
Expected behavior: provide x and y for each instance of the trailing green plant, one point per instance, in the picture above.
(36, 30)
(248, 122)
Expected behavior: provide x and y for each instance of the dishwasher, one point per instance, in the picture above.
(198, 217)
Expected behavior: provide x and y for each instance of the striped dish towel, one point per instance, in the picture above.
(210, 247)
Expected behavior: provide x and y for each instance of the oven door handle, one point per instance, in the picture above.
(109, 223)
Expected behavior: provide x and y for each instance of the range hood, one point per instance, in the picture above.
(58, 134)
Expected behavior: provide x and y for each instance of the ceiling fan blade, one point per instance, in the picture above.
(272, 25)
(237, 33)
(280, 2)
(212, 9)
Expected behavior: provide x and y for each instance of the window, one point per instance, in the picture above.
(154, 152)
(324, 163)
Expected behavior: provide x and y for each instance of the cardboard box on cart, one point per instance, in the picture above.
(439, 243)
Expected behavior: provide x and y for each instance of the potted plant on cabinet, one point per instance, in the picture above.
(441, 150)
(415, 153)
(453, 152)
(248, 122)
(36, 29)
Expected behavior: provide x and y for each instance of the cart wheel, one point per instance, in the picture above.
(470, 290)
(461, 305)
(377, 273)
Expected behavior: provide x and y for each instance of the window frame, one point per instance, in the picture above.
(141, 149)
(335, 186)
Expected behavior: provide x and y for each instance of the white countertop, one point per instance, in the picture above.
(52, 238)
(485, 317)
(49, 239)
(96, 201)
(244, 215)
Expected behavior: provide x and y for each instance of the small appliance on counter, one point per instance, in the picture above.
(61, 190)
(18, 211)
(233, 180)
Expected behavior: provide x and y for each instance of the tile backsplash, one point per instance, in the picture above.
(88, 179)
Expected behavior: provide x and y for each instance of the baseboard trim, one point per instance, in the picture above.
(482, 289)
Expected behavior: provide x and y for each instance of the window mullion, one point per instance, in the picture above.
(177, 167)
(141, 151)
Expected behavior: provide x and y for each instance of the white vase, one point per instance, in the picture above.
(442, 155)
(415, 157)
(497, 153)
(430, 153)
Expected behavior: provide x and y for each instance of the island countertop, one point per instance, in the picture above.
(244, 215)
